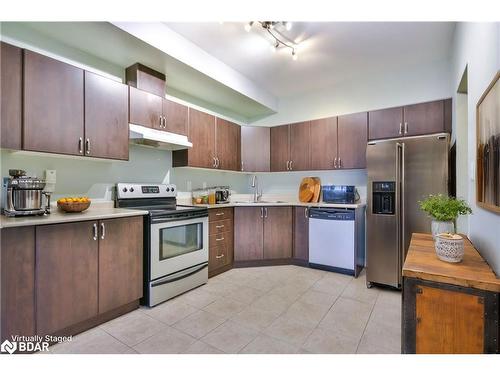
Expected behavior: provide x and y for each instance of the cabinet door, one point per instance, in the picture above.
(255, 148)
(66, 275)
(228, 145)
(385, 123)
(280, 150)
(324, 143)
(202, 135)
(300, 140)
(176, 116)
(11, 96)
(248, 233)
(18, 281)
(120, 262)
(106, 118)
(278, 232)
(352, 139)
(424, 118)
(53, 105)
(145, 109)
(300, 233)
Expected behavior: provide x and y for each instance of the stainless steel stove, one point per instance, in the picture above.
(175, 240)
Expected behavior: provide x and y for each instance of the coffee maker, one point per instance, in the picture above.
(24, 195)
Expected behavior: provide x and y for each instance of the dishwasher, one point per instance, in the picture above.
(336, 239)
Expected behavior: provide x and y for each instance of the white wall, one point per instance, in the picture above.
(477, 46)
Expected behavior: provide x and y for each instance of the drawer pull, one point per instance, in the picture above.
(220, 239)
(219, 256)
(219, 226)
(219, 214)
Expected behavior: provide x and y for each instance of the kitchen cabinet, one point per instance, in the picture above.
(146, 79)
(410, 120)
(301, 233)
(227, 151)
(262, 233)
(352, 138)
(66, 275)
(300, 143)
(255, 148)
(324, 143)
(248, 233)
(176, 117)
(145, 109)
(11, 96)
(106, 118)
(277, 232)
(221, 238)
(120, 262)
(280, 148)
(53, 107)
(17, 281)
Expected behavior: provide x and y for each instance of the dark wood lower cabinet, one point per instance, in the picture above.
(120, 262)
(301, 234)
(278, 232)
(66, 275)
(17, 281)
(248, 234)
(220, 240)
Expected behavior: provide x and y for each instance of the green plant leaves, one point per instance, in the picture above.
(443, 208)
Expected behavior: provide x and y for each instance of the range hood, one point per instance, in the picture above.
(157, 138)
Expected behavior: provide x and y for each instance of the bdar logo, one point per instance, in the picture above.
(8, 347)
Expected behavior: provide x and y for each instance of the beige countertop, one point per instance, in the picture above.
(97, 212)
(269, 203)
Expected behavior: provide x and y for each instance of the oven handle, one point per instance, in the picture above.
(178, 218)
(179, 275)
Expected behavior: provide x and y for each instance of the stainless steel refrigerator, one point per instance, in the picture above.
(401, 172)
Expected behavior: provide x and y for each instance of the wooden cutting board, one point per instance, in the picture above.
(308, 189)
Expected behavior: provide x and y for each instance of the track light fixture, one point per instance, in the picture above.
(280, 40)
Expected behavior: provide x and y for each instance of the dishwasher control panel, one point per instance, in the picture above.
(332, 214)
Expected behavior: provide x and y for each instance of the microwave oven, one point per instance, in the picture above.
(339, 194)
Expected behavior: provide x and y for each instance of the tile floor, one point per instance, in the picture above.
(282, 309)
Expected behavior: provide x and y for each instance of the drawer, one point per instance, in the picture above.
(219, 239)
(220, 252)
(216, 214)
(220, 226)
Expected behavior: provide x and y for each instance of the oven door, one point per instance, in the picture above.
(178, 245)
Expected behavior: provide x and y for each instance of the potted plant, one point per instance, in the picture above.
(444, 211)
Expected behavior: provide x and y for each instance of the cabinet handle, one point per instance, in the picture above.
(103, 231)
(306, 212)
(262, 212)
(265, 212)
(406, 128)
(400, 128)
(340, 162)
(80, 145)
(164, 122)
(218, 162)
(219, 226)
(161, 120)
(291, 165)
(288, 165)
(219, 214)
(94, 232)
(335, 163)
(242, 169)
(219, 256)
(213, 165)
(220, 239)
(87, 146)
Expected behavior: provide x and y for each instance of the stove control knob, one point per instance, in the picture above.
(131, 189)
(168, 189)
(172, 189)
(124, 190)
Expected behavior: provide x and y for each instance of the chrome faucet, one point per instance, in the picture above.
(255, 185)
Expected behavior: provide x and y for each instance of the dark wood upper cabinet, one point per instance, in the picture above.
(145, 109)
(300, 143)
(17, 282)
(11, 60)
(324, 143)
(120, 262)
(248, 233)
(145, 78)
(106, 118)
(202, 135)
(352, 139)
(280, 148)
(424, 118)
(301, 233)
(53, 105)
(278, 232)
(66, 275)
(385, 123)
(227, 151)
(176, 117)
(255, 149)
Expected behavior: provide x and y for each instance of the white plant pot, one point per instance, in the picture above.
(449, 248)
(441, 227)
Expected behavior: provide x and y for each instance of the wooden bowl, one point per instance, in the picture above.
(73, 206)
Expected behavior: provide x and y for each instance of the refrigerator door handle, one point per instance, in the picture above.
(399, 203)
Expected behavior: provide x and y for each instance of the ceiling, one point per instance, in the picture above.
(329, 52)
